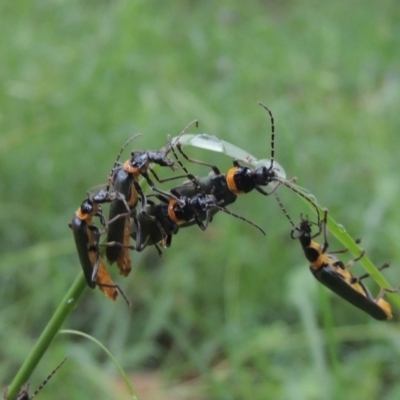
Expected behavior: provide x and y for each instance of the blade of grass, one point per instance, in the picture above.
(128, 384)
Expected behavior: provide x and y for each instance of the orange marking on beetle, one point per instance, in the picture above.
(104, 278)
(171, 212)
(88, 216)
(387, 309)
(323, 258)
(131, 170)
(84, 216)
(124, 260)
(230, 180)
(133, 198)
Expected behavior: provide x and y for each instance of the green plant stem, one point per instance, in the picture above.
(68, 303)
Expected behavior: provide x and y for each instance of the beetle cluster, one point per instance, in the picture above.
(153, 219)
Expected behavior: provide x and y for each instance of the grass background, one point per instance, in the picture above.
(226, 313)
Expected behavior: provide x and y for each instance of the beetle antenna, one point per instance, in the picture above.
(284, 210)
(170, 145)
(240, 217)
(48, 378)
(272, 134)
(292, 187)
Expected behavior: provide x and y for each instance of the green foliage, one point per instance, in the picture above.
(236, 313)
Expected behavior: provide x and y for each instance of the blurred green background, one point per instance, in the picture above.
(226, 313)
